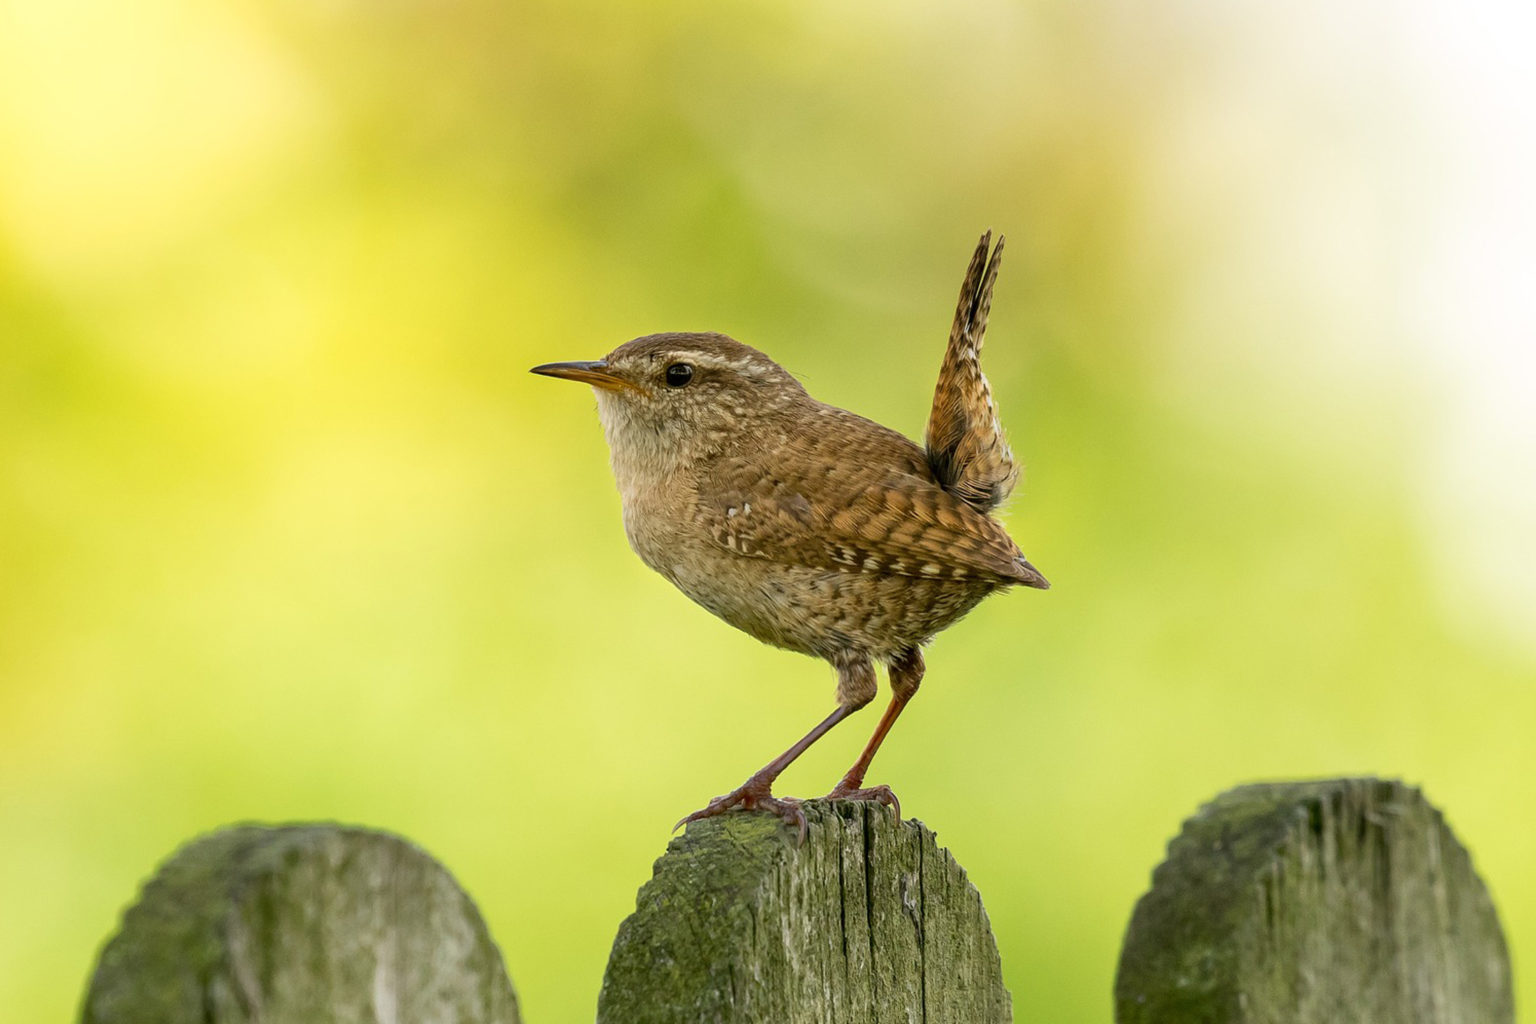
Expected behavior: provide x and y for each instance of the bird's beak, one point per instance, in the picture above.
(595, 373)
(1032, 577)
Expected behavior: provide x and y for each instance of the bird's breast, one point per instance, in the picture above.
(659, 522)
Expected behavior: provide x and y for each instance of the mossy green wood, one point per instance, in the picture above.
(1315, 903)
(292, 925)
(869, 921)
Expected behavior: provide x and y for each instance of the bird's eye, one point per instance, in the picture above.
(678, 375)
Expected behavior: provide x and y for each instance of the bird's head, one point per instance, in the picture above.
(678, 397)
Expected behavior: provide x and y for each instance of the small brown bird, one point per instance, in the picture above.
(805, 525)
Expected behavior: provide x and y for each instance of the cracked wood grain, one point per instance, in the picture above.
(1303, 903)
(870, 921)
(1315, 903)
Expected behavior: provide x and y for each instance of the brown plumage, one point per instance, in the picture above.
(966, 448)
(805, 525)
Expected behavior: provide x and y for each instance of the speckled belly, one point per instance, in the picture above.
(826, 612)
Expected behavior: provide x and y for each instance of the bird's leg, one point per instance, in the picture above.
(855, 688)
(906, 674)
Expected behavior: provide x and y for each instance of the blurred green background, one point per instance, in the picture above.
(287, 532)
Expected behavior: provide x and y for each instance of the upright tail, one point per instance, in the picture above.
(966, 448)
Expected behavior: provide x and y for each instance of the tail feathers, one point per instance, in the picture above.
(966, 448)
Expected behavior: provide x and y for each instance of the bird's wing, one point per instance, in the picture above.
(966, 448)
(866, 504)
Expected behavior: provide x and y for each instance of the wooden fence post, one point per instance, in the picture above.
(869, 922)
(296, 925)
(1315, 903)
(1292, 903)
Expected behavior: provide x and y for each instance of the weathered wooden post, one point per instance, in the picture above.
(1315, 903)
(297, 925)
(870, 921)
(1293, 903)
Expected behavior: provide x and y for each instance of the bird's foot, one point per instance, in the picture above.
(879, 794)
(753, 795)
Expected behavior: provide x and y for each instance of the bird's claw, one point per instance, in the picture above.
(753, 796)
(877, 794)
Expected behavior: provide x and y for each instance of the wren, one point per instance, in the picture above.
(805, 525)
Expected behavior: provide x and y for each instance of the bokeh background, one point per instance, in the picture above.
(287, 532)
